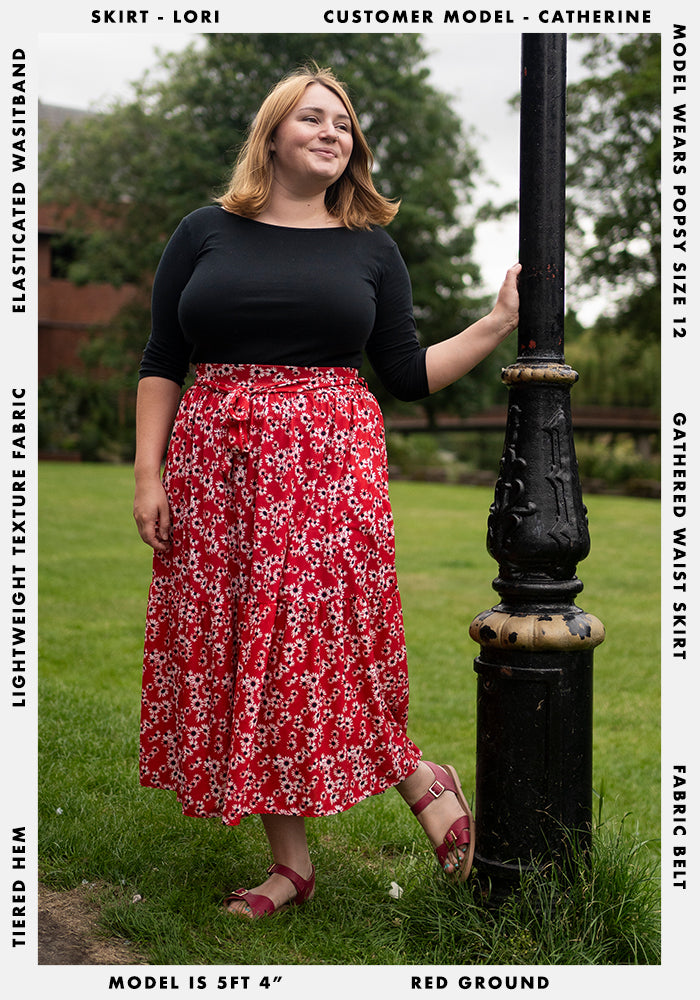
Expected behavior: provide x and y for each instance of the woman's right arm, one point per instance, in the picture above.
(156, 405)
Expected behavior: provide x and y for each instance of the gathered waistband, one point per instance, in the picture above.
(254, 379)
(239, 385)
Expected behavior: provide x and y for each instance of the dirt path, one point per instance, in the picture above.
(69, 933)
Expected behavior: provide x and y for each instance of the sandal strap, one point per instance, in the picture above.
(443, 783)
(260, 906)
(459, 835)
(303, 886)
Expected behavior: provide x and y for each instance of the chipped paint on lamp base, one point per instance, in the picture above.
(541, 632)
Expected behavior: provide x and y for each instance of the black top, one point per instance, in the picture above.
(233, 290)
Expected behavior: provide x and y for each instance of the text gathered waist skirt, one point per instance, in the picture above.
(275, 666)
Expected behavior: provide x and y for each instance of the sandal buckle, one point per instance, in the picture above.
(437, 784)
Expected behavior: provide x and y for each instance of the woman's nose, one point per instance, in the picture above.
(329, 131)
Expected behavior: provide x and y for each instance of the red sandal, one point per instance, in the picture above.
(460, 836)
(261, 906)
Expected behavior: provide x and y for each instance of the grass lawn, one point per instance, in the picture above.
(97, 825)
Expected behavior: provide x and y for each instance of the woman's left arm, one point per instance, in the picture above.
(451, 359)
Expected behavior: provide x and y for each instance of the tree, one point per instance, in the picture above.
(149, 161)
(614, 177)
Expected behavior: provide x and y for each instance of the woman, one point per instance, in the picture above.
(275, 671)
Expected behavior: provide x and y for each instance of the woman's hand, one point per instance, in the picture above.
(156, 404)
(152, 514)
(505, 311)
(451, 359)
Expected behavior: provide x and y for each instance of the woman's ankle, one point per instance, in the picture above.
(415, 784)
(288, 843)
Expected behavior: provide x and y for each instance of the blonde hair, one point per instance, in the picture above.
(352, 199)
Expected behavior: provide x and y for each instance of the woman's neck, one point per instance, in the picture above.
(286, 209)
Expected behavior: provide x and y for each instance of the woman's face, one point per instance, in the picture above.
(311, 147)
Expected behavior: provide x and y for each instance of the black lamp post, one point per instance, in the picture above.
(534, 691)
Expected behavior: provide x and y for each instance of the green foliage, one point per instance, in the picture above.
(450, 457)
(613, 461)
(614, 176)
(616, 368)
(605, 461)
(90, 410)
(410, 453)
(91, 418)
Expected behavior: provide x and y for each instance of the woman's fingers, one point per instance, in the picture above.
(152, 516)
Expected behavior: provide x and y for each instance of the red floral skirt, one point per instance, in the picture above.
(275, 666)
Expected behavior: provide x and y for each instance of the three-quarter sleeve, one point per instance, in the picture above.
(167, 352)
(393, 348)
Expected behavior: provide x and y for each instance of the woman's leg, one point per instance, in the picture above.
(438, 816)
(287, 837)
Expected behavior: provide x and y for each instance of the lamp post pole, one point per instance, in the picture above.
(534, 688)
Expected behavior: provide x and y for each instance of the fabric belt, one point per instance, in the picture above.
(240, 384)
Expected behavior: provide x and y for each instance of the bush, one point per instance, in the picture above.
(91, 418)
(615, 369)
(607, 461)
(614, 460)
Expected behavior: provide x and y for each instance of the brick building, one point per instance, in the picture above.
(67, 312)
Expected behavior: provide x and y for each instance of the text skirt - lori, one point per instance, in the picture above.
(275, 667)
